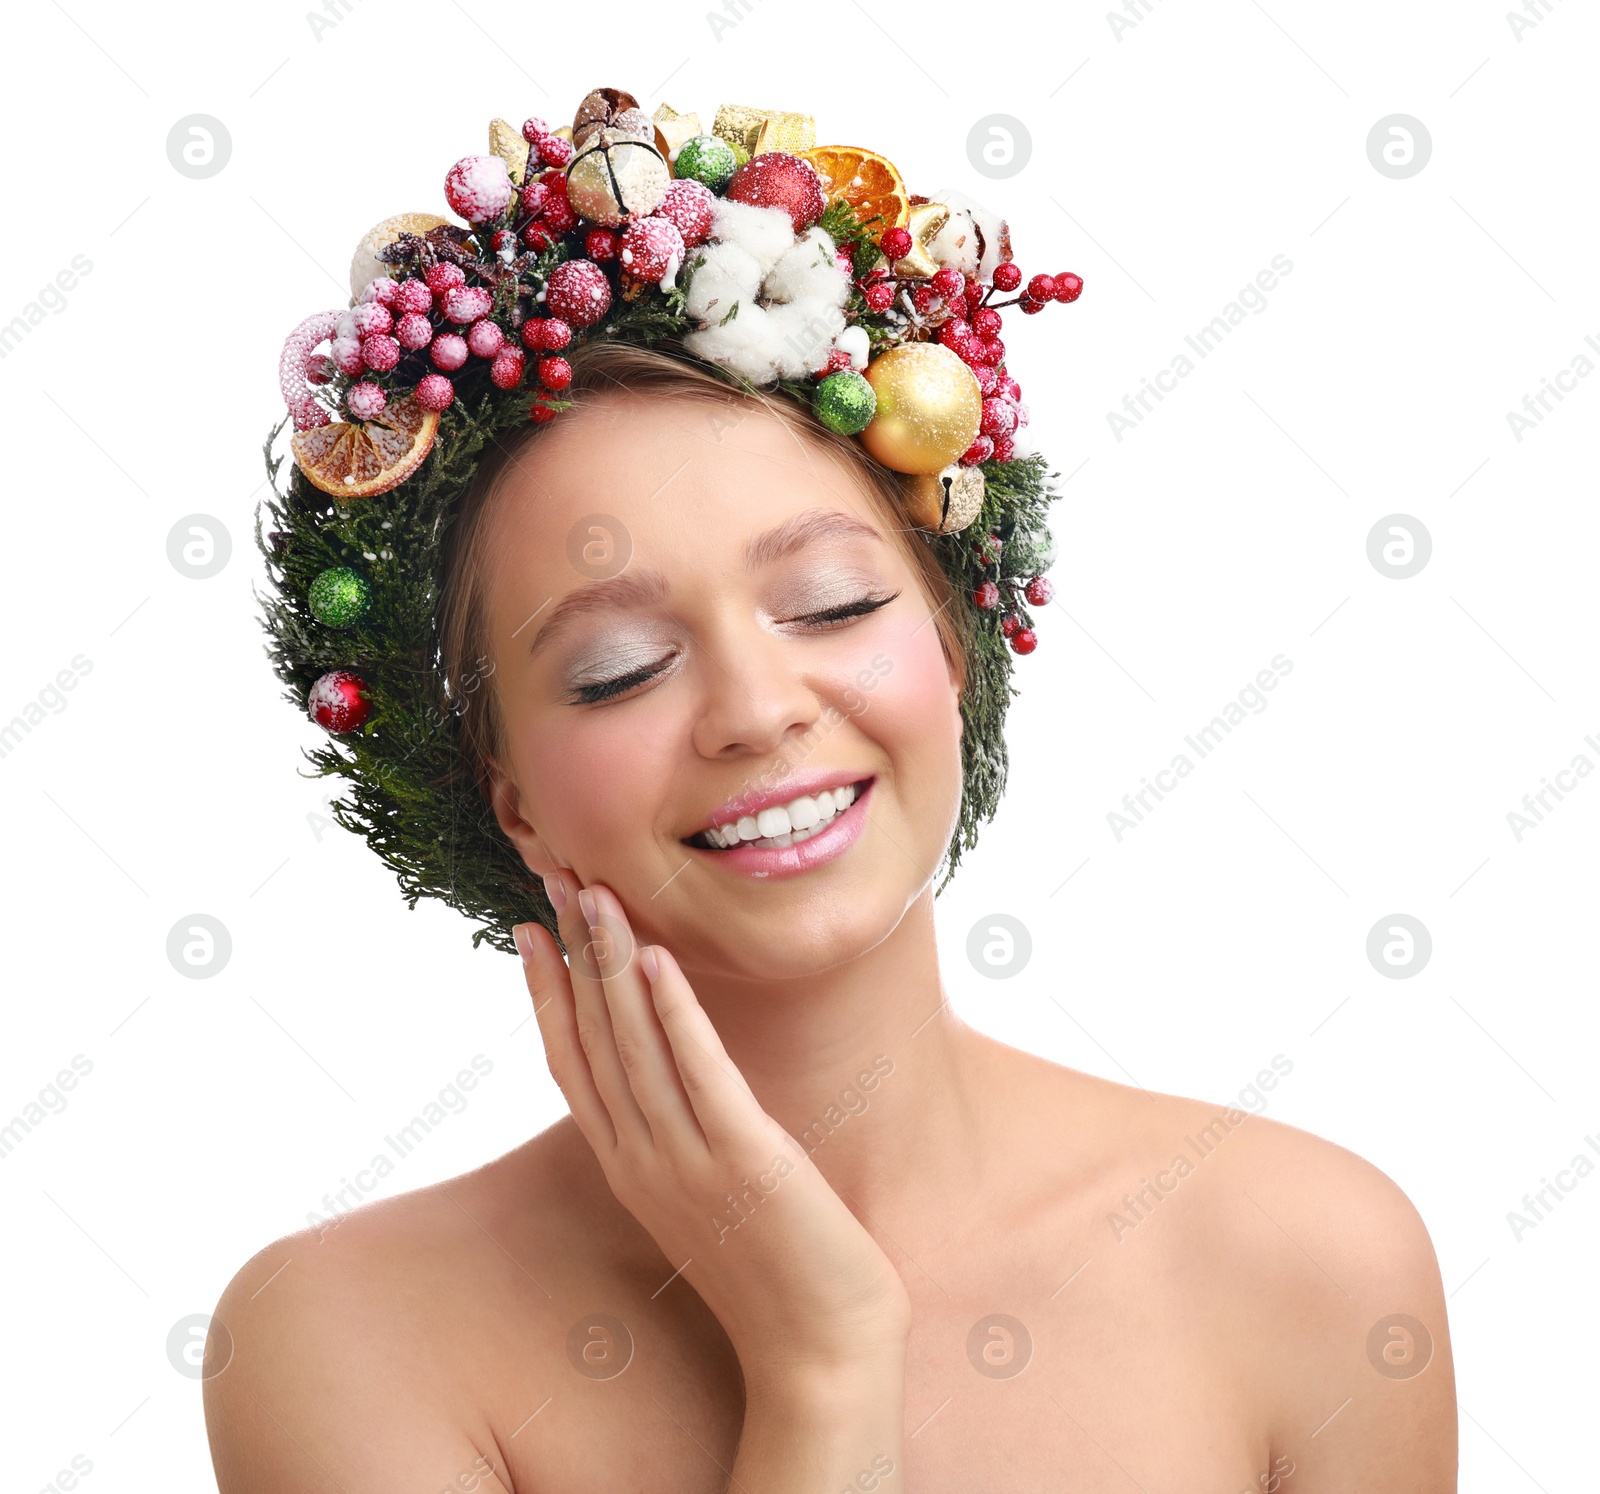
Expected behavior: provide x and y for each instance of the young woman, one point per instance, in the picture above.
(804, 1229)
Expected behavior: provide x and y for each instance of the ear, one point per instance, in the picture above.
(507, 800)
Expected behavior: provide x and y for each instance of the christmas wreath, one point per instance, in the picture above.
(787, 268)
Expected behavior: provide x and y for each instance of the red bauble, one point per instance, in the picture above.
(1039, 590)
(987, 596)
(578, 292)
(336, 702)
(777, 179)
(1024, 641)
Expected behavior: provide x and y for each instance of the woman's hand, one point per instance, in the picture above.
(730, 1197)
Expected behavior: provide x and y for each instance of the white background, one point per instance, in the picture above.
(1168, 167)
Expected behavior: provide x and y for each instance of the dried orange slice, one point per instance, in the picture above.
(356, 459)
(870, 183)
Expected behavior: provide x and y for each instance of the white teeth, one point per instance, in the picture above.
(784, 824)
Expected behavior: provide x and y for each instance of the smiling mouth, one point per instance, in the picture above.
(781, 824)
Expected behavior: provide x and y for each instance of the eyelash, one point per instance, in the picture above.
(830, 617)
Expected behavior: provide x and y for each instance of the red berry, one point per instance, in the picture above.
(337, 701)
(1069, 286)
(976, 290)
(478, 188)
(435, 392)
(600, 244)
(553, 150)
(950, 283)
(559, 214)
(922, 297)
(1004, 448)
(999, 416)
(990, 349)
(1029, 306)
(555, 373)
(879, 297)
(557, 334)
(987, 379)
(506, 370)
(413, 295)
(449, 351)
(485, 339)
(1012, 387)
(1010, 623)
(534, 197)
(371, 317)
(1042, 287)
(987, 596)
(414, 330)
(380, 352)
(838, 361)
(537, 237)
(980, 451)
(533, 333)
(533, 128)
(690, 205)
(1006, 277)
(986, 322)
(578, 292)
(444, 277)
(954, 332)
(649, 247)
(1039, 590)
(466, 303)
(1024, 641)
(896, 243)
(503, 241)
(539, 412)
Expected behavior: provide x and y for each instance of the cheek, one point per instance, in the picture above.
(905, 684)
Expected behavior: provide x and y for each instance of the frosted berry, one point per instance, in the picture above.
(999, 416)
(1042, 287)
(444, 277)
(1039, 590)
(1007, 277)
(950, 283)
(990, 350)
(336, 702)
(346, 353)
(879, 297)
(537, 237)
(600, 244)
(372, 316)
(1029, 306)
(690, 205)
(449, 351)
(1010, 623)
(414, 330)
(485, 339)
(559, 214)
(478, 188)
(554, 150)
(380, 352)
(1069, 286)
(435, 392)
(1004, 448)
(319, 368)
(986, 321)
(506, 370)
(539, 412)
(838, 360)
(954, 331)
(534, 197)
(980, 451)
(382, 290)
(896, 243)
(555, 373)
(649, 246)
(578, 292)
(466, 303)
(413, 295)
(922, 297)
(364, 400)
(533, 128)
(988, 379)
(1024, 641)
(987, 596)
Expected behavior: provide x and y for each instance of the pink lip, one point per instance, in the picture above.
(776, 862)
(789, 789)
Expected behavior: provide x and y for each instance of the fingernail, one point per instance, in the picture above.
(586, 903)
(555, 888)
(652, 967)
(524, 938)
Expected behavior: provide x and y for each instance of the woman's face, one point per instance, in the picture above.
(682, 612)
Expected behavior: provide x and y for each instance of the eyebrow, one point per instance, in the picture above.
(646, 587)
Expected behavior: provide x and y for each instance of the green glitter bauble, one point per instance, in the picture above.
(339, 597)
(707, 159)
(845, 402)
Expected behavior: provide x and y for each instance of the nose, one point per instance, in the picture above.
(755, 698)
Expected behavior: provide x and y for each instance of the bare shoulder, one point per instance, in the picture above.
(342, 1357)
(1308, 1269)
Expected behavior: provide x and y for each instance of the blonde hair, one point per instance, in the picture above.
(602, 367)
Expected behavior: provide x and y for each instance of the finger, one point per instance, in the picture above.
(551, 990)
(592, 1016)
(642, 1046)
(723, 1101)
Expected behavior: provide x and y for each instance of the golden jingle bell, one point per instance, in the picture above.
(616, 177)
(929, 407)
(945, 501)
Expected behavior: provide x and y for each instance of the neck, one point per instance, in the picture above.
(868, 1068)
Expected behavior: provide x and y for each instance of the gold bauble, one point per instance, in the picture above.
(615, 178)
(945, 501)
(365, 266)
(929, 406)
